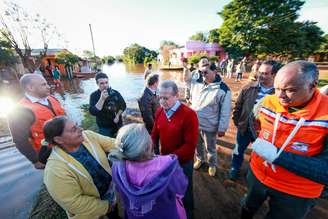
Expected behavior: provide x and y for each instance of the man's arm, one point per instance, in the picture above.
(122, 104)
(314, 168)
(145, 105)
(95, 104)
(155, 132)
(190, 128)
(237, 109)
(20, 122)
(224, 113)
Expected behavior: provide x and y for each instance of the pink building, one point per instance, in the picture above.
(193, 47)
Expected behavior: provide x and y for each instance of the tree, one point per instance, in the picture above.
(136, 54)
(7, 56)
(17, 27)
(213, 36)
(165, 47)
(168, 43)
(267, 27)
(108, 60)
(66, 58)
(200, 36)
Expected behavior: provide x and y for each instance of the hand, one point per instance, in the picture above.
(38, 165)
(116, 119)
(265, 149)
(221, 134)
(104, 95)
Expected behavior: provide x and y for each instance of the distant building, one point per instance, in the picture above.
(193, 47)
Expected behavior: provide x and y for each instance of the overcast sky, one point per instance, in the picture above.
(118, 23)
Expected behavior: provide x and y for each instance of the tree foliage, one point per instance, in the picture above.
(7, 55)
(213, 36)
(66, 58)
(267, 27)
(199, 36)
(17, 27)
(108, 60)
(136, 54)
(168, 43)
(324, 45)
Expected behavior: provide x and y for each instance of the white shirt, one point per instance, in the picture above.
(37, 100)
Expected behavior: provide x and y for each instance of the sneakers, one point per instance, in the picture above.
(233, 175)
(198, 164)
(211, 171)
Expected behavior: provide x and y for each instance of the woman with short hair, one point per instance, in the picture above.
(150, 186)
(77, 173)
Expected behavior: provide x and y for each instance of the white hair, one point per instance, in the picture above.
(132, 143)
(308, 71)
(170, 84)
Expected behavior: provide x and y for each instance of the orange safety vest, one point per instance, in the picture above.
(308, 141)
(42, 113)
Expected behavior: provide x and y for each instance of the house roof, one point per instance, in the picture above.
(50, 52)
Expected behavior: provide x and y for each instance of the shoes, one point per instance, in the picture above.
(233, 175)
(212, 171)
(198, 164)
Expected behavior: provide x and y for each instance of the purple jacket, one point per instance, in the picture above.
(151, 189)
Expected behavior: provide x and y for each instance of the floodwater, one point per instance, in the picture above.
(19, 181)
(128, 80)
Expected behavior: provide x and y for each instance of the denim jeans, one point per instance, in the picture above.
(238, 153)
(188, 199)
(207, 142)
(282, 205)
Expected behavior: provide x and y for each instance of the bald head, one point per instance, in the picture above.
(35, 85)
(295, 83)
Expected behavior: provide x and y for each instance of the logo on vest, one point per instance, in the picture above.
(300, 146)
(266, 134)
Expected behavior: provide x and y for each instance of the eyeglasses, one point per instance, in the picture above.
(164, 98)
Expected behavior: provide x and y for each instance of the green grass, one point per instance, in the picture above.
(89, 121)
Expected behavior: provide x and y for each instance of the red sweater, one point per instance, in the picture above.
(179, 135)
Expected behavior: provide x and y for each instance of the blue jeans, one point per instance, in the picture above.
(107, 132)
(238, 153)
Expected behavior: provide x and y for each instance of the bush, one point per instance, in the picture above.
(196, 57)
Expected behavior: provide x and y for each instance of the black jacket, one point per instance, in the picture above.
(113, 104)
(148, 104)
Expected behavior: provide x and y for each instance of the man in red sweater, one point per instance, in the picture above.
(176, 130)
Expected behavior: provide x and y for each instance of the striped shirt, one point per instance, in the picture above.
(263, 92)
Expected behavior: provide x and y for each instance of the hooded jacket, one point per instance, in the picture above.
(212, 103)
(151, 189)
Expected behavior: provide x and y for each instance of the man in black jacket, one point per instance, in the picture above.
(149, 102)
(107, 105)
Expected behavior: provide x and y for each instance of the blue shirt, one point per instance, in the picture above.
(263, 92)
(101, 178)
(171, 111)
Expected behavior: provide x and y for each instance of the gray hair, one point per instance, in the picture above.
(27, 79)
(170, 84)
(307, 70)
(132, 143)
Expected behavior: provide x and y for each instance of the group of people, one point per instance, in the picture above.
(228, 68)
(150, 166)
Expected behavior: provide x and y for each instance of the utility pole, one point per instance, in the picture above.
(93, 43)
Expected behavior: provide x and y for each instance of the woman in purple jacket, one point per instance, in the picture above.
(150, 186)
